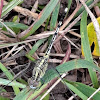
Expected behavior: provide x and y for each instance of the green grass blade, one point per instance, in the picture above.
(89, 2)
(53, 20)
(27, 94)
(42, 17)
(68, 66)
(34, 48)
(46, 24)
(52, 73)
(69, 5)
(3, 98)
(23, 95)
(76, 91)
(10, 77)
(54, 17)
(86, 47)
(10, 6)
(14, 25)
(82, 88)
(84, 38)
(13, 83)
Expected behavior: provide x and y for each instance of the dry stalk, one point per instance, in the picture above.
(74, 22)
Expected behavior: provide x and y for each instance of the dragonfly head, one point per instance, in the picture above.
(33, 83)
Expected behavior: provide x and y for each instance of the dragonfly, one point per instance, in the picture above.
(42, 63)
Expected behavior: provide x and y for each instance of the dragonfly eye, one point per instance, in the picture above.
(30, 81)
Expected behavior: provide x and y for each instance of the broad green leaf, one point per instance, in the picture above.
(68, 66)
(52, 73)
(16, 19)
(86, 48)
(10, 6)
(45, 13)
(82, 90)
(10, 77)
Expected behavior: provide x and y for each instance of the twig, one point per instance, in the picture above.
(72, 43)
(11, 32)
(53, 86)
(75, 34)
(60, 55)
(33, 10)
(72, 97)
(70, 17)
(74, 22)
(97, 10)
(10, 52)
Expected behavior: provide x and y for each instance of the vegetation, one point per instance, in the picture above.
(25, 35)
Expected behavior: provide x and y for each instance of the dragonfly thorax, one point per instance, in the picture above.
(38, 71)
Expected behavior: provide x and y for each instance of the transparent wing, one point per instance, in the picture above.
(4, 81)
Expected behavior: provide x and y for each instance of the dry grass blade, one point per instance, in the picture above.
(97, 10)
(74, 22)
(10, 52)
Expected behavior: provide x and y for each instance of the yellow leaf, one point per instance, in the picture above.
(93, 38)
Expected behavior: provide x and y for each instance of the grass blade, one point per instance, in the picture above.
(14, 25)
(86, 47)
(34, 48)
(68, 66)
(17, 84)
(10, 6)
(41, 18)
(10, 77)
(82, 89)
